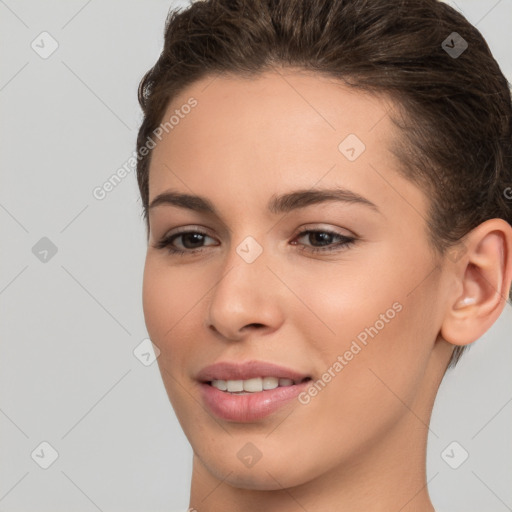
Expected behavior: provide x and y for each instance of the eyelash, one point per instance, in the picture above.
(166, 242)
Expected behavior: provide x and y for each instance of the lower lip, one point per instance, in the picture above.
(249, 407)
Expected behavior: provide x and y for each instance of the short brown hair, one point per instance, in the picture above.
(456, 121)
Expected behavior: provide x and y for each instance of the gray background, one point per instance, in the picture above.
(68, 374)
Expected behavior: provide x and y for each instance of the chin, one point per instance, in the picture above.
(262, 477)
(275, 470)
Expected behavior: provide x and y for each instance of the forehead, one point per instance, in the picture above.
(277, 131)
(276, 108)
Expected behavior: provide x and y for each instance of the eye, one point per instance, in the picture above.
(191, 242)
(325, 239)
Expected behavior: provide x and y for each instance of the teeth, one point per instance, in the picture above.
(220, 384)
(270, 382)
(254, 385)
(235, 385)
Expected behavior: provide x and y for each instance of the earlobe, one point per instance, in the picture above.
(485, 274)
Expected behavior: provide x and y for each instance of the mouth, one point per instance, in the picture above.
(250, 391)
(254, 385)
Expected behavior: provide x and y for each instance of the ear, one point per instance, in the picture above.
(482, 268)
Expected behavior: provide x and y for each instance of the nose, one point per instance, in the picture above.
(248, 297)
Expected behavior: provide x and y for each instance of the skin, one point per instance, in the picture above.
(360, 444)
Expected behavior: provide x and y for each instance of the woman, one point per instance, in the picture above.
(327, 193)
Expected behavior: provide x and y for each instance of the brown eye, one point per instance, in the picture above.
(325, 240)
(191, 242)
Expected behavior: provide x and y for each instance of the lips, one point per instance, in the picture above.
(224, 389)
(248, 370)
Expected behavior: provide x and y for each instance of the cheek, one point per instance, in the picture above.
(168, 299)
(344, 299)
(373, 322)
(372, 374)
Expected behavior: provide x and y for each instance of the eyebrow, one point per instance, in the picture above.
(278, 203)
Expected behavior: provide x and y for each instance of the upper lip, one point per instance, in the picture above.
(226, 370)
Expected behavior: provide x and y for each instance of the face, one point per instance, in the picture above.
(274, 277)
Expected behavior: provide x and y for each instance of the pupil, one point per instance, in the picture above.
(325, 237)
(198, 240)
